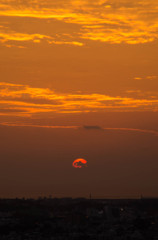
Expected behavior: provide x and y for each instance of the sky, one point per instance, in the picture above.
(78, 79)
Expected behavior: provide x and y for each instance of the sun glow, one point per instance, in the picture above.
(79, 163)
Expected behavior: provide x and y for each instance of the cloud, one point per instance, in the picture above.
(90, 127)
(130, 21)
(29, 101)
(134, 130)
(10, 110)
(138, 78)
(11, 36)
(14, 36)
(24, 124)
(151, 77)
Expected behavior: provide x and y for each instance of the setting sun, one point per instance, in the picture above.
(79, 163)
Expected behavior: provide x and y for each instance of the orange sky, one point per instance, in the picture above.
(80, 66)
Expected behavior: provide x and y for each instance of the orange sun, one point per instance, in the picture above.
(79, 163)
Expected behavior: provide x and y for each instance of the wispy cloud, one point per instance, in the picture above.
(6, 37)
(137, 130)
(24, 100)
(113, 21)
(91, 127)
(151, 77)
(134, 130)
(20, 124)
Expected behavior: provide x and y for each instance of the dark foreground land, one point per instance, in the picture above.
(66, 218)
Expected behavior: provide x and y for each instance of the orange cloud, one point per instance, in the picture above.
(36, 38)
(114, 21)
(21, 37)
(152, 77)
(24, 100)
(134, 130)
(21, 124)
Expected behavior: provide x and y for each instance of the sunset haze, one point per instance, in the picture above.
(79, 79)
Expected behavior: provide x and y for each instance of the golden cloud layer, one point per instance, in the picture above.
(113, 21)
(24, 100)
(36, 38)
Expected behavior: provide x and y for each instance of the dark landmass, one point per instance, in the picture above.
(67, 218)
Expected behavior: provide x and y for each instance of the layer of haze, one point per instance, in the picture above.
(78, 79)
(38, 162)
